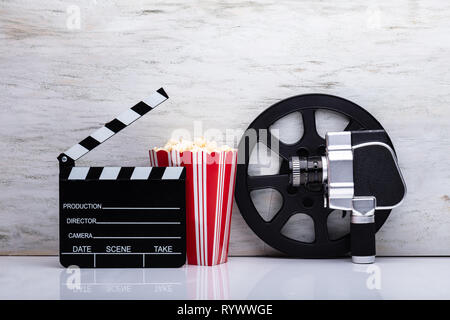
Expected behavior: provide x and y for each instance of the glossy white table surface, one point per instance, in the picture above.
(240, 278)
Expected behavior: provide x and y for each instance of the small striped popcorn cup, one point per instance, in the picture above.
(210, 181)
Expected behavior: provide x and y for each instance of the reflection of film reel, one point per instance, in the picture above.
(305, 283)
(298, 198)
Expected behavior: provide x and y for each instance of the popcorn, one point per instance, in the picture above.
(199, 144)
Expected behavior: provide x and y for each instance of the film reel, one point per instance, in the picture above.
(305, 200)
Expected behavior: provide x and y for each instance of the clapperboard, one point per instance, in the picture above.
(121, 217)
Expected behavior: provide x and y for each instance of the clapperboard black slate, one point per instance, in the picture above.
(121, 217)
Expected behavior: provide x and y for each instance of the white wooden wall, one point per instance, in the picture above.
(222, 63)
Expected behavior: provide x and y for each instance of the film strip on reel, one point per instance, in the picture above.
(113, 217)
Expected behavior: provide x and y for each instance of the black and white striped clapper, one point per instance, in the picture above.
(121, 217)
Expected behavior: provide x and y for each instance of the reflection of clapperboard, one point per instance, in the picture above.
(130, 217)
(93, 284)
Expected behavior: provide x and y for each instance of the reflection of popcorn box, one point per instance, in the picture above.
(210, 179)
(208, 283)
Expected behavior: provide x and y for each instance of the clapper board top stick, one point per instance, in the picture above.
(121, 217)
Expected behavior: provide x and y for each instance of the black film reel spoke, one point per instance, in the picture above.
(309, 124)
(320, 225)
(282, 216)
(273, 143)
(353, 125)
(277, 181)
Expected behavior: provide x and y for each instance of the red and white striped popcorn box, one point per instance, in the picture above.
(210, 181)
